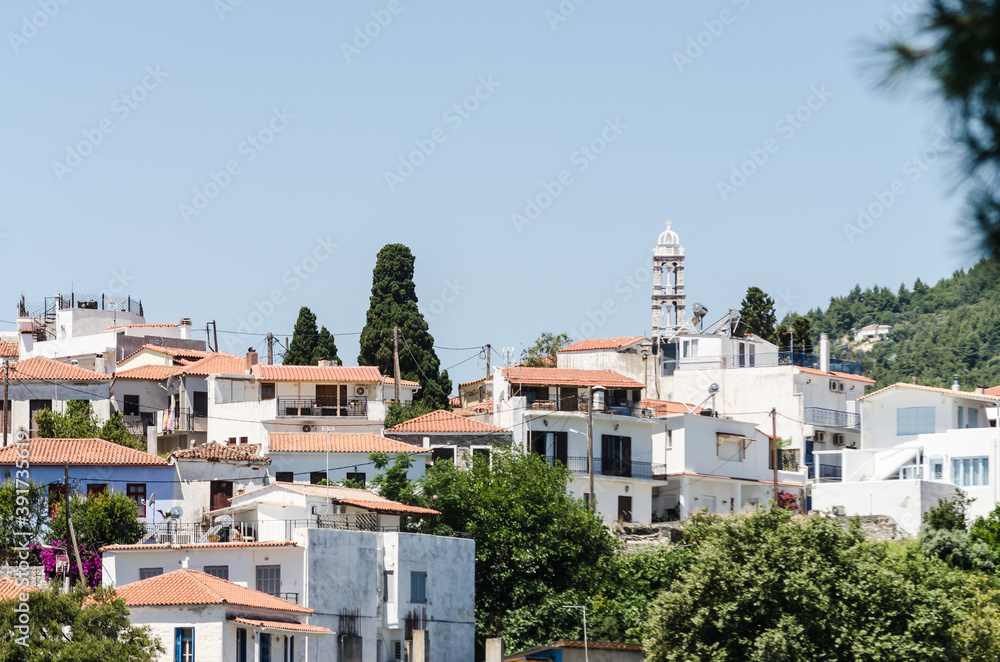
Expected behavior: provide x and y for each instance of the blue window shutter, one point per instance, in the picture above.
(178, 634)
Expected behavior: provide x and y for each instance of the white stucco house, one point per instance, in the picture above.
(309, 457)
(450, 436)
(873, 332)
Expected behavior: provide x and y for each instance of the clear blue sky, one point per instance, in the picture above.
(331, 120)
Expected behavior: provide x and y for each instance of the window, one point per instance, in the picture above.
(316, 476)
(146, 573)
(284, 477)
(137, 492)
(244, 440)
(481, 455)
(551, 445)
(961, 418)
(358, 477)
(418, 587)
(730, 448)
(94, 489)
(388, 586)
(183, 644)
(267, 391)
(241, 645)
(616, 455)
(200, 403)
(442, 453)
(131, 405)
(973, 418)
(624, 509)
(269, 579)
(220, 571)
(689, 349)
(970, 471)
(265, 647)
(742, 354)
(398, 649)
(914, 420)
(752, 358)
(937, 468)
(289, 648)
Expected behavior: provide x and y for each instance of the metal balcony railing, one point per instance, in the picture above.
(322, 407)
(618, 467)
(830, 473)
(187, 533)
(833, 418)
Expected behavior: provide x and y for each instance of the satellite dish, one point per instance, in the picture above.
(6, 474)
(224, 520)
(714, 388)
(152, 498)
(176, 512)
(306, 428)
(696, 308)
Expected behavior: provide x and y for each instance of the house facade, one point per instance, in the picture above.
(450, 436)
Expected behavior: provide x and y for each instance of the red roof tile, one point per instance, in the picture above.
(474, 381)
(402, 382)
(10, 589)
(281, 625)
(569, 377)
(986, 395)
(445, 422)
(152, 372)
(40, 367)
(484, 407)
(89, 452)
(198, 545)
(994, 391)
(602, 343)
(173, 352)
(668, 407)
(9, 349)
(216, 452)
(314, 373)
(219, 363)
(339, 442)
(389, 506)
(354, 497)
(838, 375)
(190, 587)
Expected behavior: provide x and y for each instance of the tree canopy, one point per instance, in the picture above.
(80, 422)
(797, 329)
(308, 345)
(543, 353)
(393, 303)
(757, 313)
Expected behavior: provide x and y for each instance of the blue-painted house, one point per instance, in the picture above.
(96, 465)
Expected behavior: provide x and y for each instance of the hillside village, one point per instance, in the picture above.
(261, 534)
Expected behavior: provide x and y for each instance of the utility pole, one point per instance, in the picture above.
(487, 360)
(6, 404)
(774, 450)
(395, 360)
(208, 337)
(69, 524)
(215, 335)
(270, 348)
(590, 446)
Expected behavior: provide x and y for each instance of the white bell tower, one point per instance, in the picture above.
(668, 284)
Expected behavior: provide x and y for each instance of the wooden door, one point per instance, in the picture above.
(221, 494)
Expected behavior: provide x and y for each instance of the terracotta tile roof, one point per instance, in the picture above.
(484, 407)
(339, 442)
(9, 349)
(139, 326)
(668, 407)
(11, 590)
(445, 422)
(837, 375)
(216, 452)
(569, 377)
(173, 352)
(474, 381)
(281, 625)
(932, 389)
(219, 363)
(994, 391)
(314, 373)
(454, 401)
(190, 587)
(602, 343)
(152, 372)
(199, 545)
(79, 452)
(354, 497)
(402, 382)
(40, 367)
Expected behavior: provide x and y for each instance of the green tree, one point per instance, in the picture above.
(80, 422)
(543, 353)
(987, 530)
(767, 586)
(393, 303)
(396, 413)
(797, 329)
(957, 549)
(31, 517)
(326, 348)
(393, 482)
(757, 313)
(955, 49)
(61, 627)
(949, 514)
(305, 338)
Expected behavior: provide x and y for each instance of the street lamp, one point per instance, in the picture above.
(586, 653)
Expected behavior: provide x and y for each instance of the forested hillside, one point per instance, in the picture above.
(938, 331)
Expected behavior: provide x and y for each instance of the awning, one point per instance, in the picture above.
(723, 437)
(301, 628)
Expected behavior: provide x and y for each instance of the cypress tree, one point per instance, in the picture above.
(393, 303)
(326, 348)
(757, 312)
(305, 337)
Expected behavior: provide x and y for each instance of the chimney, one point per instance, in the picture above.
(185, 328)
(99, 362)
(323, 363)
(494, 649)
(251, 358)
(954, 385)
(824, 352)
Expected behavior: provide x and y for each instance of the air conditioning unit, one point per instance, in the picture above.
(820, 436)
(838, 511)
(360, 391)
(838, 439)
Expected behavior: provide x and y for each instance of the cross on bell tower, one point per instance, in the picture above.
(668, 284)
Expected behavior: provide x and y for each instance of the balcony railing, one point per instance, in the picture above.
(833, 418)
(322, 407)
(761, 360)
(618, 467)
(580, 405)
(830, 472)
(187, 533)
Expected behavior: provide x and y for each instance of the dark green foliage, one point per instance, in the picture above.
(393, 303)
(326, 348)
(757, 313)
(767, 586)
(797, 329)
(396, 413)
(955, 49)
(32, 519)
(987, 530)
(543, 353)
(79, 422)
(937, 332)
(957, 549)
(308, 345)
(62, 628)
(392, 483)
(101, 519)
(949, 514)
